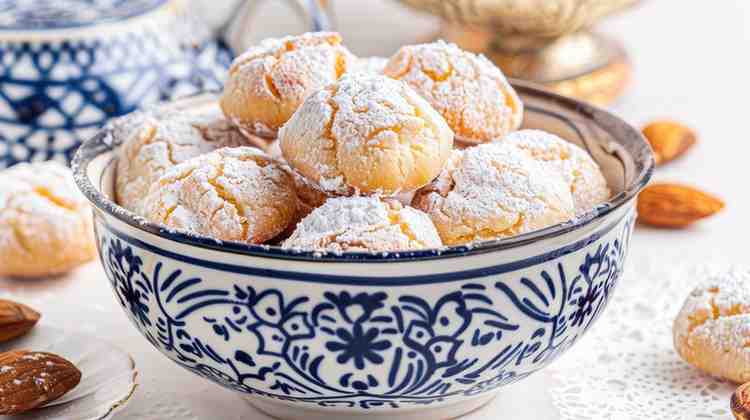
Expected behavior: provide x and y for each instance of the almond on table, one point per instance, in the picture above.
(29, 380)
(675, 206)
(669, 139)
(16, 319)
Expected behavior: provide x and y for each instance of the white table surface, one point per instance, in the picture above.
(692, 62)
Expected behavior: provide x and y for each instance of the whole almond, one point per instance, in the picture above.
(675, 206)
(669, 139)
(16, 319)
(32, 379)
(740, 402)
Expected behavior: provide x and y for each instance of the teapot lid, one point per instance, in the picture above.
(62, 14)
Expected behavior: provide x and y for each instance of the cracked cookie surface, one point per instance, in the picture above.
(45, 223)
(366, 134)
(712, 330)
(494, 191)
(157, 142)
(233, 194)
(578, 169)
(470, 92)
(364, 224)
(270, 81)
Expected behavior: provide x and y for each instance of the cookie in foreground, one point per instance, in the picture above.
(45, 222)
(712, 330)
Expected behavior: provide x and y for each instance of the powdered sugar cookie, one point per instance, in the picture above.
(469, 91)
(493, 191)
(233, 194)
(268, 82)
(578, 169)
(364, 224)
(372, 65)
(366, 133)
(712, 331)
(45, 222)
(157, 142)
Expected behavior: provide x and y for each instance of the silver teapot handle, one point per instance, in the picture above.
(317, 14)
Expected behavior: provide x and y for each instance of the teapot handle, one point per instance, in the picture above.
(317, 13)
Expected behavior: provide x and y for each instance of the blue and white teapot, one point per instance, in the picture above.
(66, 66)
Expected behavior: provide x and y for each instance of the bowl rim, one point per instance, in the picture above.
(99, 144)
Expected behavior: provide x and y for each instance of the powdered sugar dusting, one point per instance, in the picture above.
(364, 224)
(236, 194)
(269, 81)
(45, 222)
(580, 172)
(372, 65)
(468, 90)
(491, 191)
(719, 310)
(158, 140)
(366, 133)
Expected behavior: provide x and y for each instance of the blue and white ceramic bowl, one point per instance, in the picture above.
(408, 335)
(67, 66)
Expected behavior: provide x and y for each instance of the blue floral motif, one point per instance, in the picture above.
(365, 349)
(358, 345)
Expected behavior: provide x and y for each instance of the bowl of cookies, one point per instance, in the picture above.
(336, 237)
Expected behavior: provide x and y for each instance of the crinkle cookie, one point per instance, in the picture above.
(712, 330)
(372, 65)
(233, 194)
(367, 134)
(580, 172)
(364, 224)
(45, 222)
(494, 191)
(469, 91)
(156, 142)
(268, 82)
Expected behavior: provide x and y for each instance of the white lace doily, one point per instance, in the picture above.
(626, 368)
